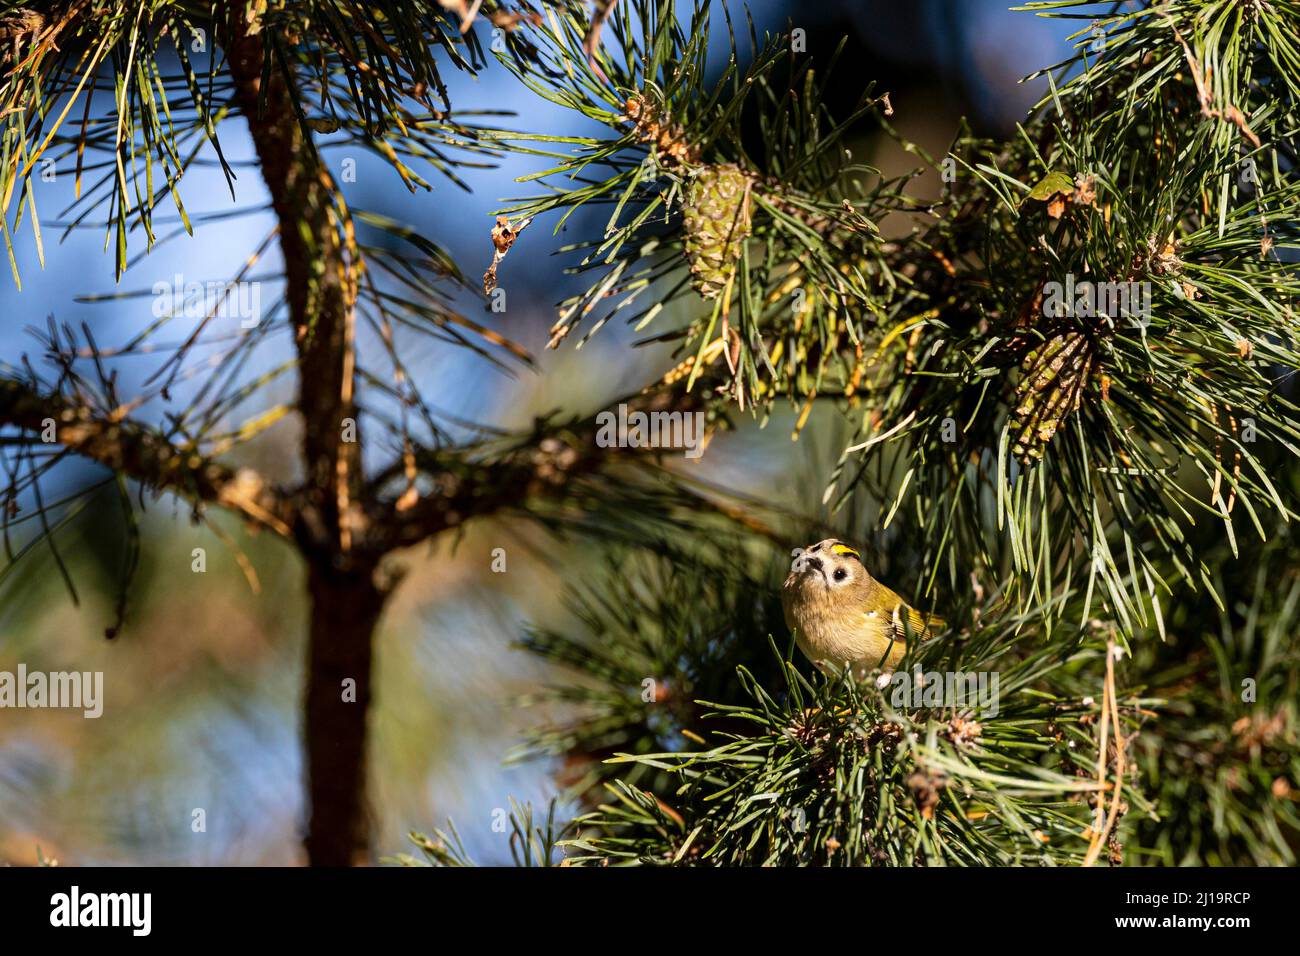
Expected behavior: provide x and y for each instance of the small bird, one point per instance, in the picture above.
(842, 616)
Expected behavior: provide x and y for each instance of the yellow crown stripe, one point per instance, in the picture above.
(845, 549)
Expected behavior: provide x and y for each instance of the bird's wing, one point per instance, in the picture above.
(906, 621)
(925, 624)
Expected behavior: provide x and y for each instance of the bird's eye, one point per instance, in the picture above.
(840, 574)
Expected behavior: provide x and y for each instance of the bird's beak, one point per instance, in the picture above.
(805, 564)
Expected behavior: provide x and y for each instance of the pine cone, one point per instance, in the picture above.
(717, 225)
(1053, 378)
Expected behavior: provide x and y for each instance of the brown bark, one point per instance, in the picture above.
(344, 610)
(345, 603)
(317, 285)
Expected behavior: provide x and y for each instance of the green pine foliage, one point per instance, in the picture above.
(766, 764)
(1222, 759)
(1099, 498)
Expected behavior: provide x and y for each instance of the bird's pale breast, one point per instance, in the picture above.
(861, 639)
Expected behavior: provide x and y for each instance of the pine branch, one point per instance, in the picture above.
(772, 251)
(146, 455)
(557, 467)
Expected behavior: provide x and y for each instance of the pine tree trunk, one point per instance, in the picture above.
(331, 530)
(344, 610)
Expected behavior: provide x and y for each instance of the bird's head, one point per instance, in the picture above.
(826, 569)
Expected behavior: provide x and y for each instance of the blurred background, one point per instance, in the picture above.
(202, 687)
